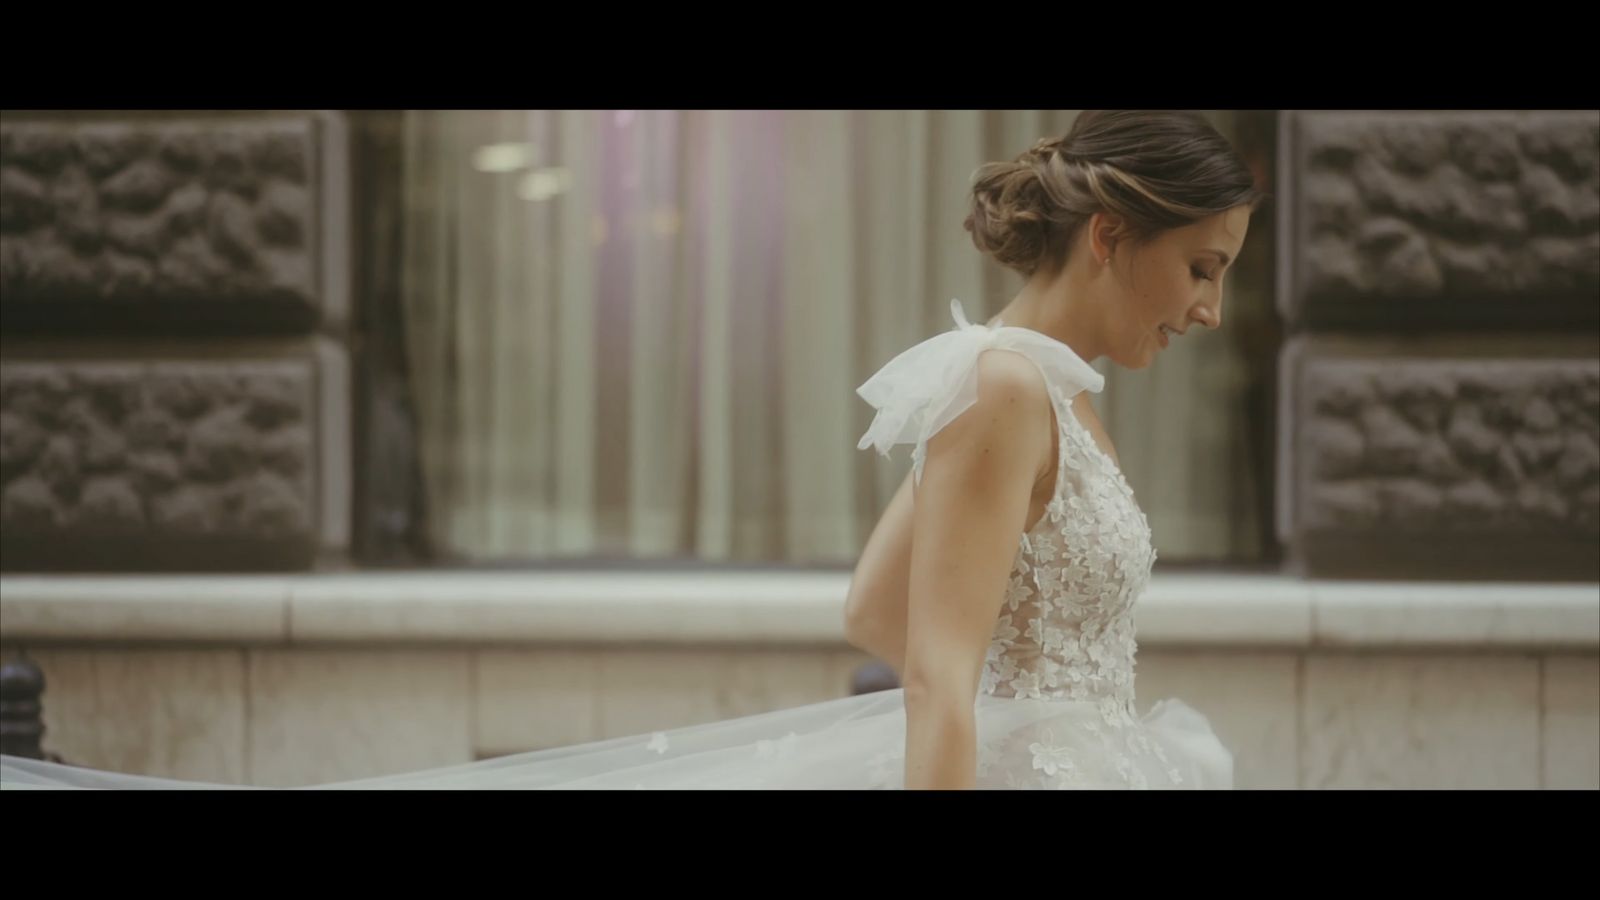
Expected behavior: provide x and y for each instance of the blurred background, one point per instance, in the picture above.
(339, 442)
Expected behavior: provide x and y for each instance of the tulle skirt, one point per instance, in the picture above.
(853, 743)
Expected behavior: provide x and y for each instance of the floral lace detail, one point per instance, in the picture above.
(1051, 759)
(1066, 629)
(1066, 749)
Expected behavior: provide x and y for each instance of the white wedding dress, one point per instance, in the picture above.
(1055, 705)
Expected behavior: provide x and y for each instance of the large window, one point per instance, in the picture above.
(637, 334)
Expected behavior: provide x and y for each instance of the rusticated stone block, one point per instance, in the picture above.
(161, 225)
(1405, 219)
(1478, 462)
(158, 464)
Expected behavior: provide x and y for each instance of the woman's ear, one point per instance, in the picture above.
(1106, 232)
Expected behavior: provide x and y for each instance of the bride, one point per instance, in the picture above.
(1000, 582)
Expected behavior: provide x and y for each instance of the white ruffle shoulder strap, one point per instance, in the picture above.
(928, 386)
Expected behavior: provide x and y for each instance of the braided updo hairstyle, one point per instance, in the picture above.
(1155, 169)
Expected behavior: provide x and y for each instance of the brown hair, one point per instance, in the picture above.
(1156, 169)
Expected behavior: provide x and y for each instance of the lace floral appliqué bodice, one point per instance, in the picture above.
(1066, 628)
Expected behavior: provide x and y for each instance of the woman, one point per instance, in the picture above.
(1124, 230)
(1000, 582)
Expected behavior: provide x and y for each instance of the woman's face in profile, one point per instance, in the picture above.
(1176, 281)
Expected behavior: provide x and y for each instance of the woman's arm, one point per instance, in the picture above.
(970, 511)
(875, 609)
